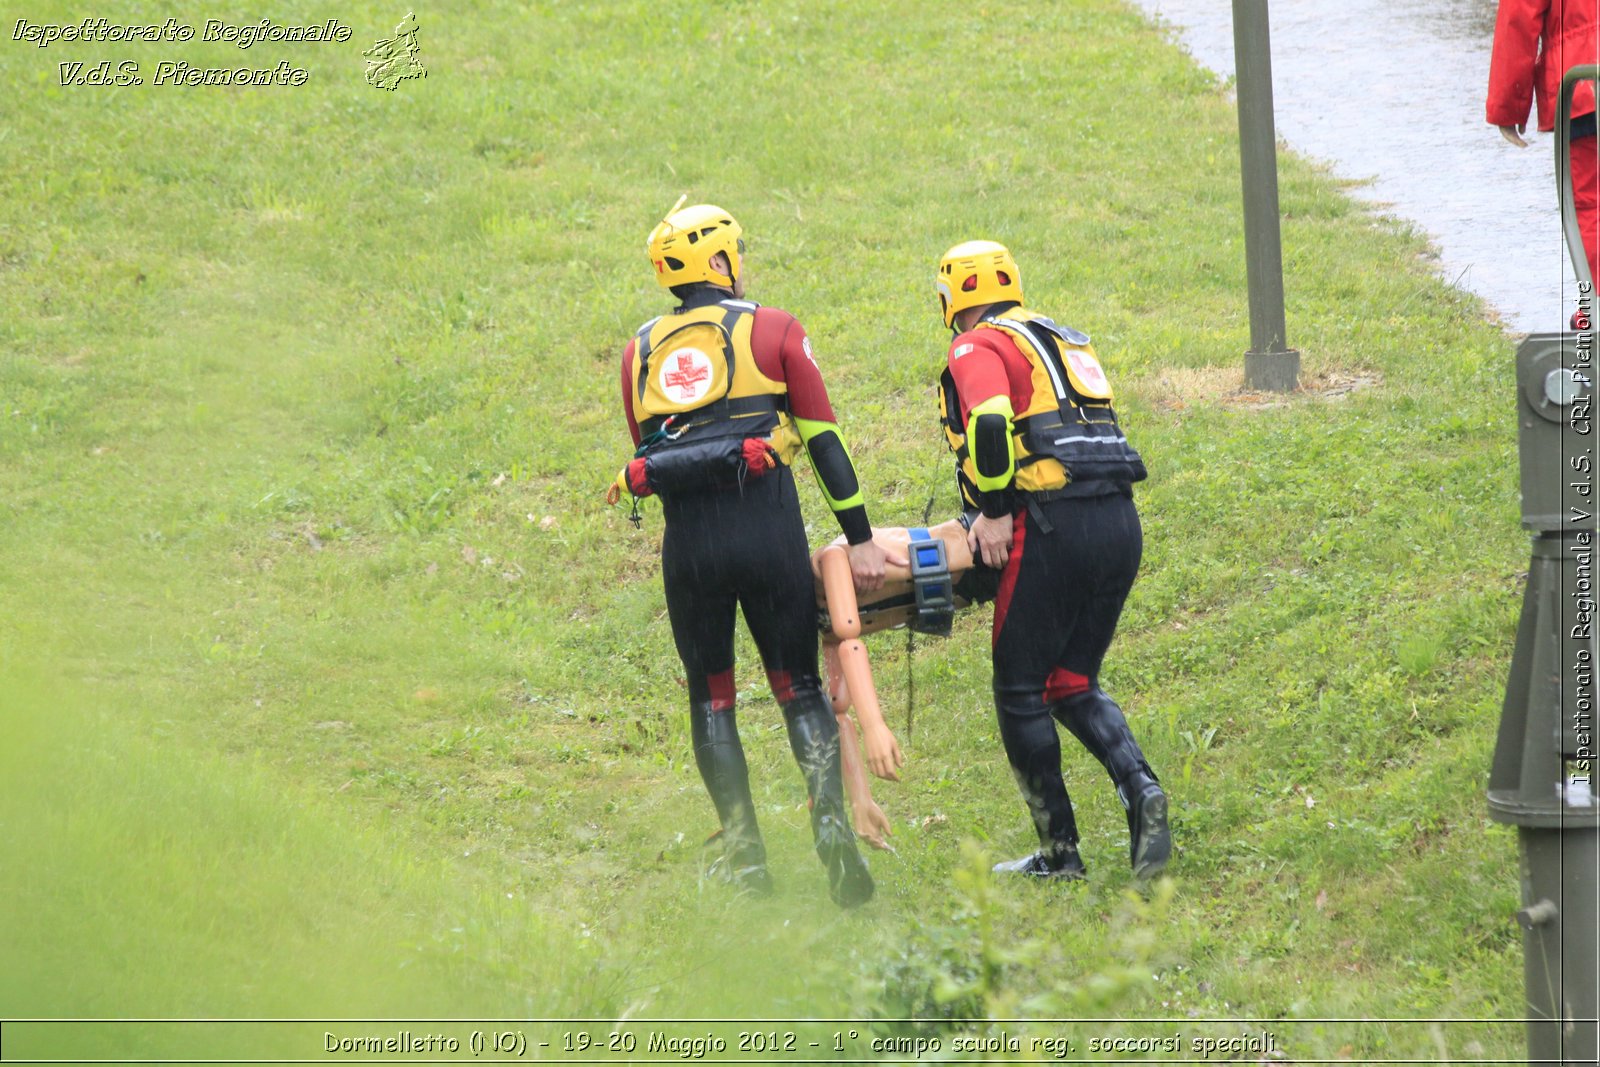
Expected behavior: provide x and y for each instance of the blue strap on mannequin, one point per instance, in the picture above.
(930, 581)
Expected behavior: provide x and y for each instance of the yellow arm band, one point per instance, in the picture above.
(989, 442)
(831, 460)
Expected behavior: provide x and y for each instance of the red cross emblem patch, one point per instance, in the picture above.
(689, 372)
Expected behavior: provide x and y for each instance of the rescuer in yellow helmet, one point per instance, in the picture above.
(721, 395)
(1027, 410)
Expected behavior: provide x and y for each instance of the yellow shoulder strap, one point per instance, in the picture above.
(683, 363)
(1074, 358)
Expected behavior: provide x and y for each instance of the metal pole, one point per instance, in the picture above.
(1270, 363)
(1565, 195)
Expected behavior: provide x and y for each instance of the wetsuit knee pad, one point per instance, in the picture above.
(1013, 704)
(781, 682)
(1089, 712)
(1063, 683)
(716, 691)
(1029, 737)
(1025, 727)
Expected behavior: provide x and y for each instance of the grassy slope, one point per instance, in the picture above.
(309, 397)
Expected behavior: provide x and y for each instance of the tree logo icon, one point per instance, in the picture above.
(392, 61)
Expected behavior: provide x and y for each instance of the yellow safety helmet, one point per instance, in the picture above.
(974, 273)
(682, 244)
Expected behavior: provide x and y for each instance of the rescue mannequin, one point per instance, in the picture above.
(849, 673)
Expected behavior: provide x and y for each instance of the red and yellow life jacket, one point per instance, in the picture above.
(696, 379)
(1068, 431)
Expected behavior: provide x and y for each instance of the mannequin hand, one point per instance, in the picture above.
(883, 754)
(1514, 134)
(990, 540)
(872, 825)
(867, 562)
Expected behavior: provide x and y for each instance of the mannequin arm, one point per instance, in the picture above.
(871, 824)
(883, 751)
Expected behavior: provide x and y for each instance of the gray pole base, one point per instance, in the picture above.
(1276, 372)
(1559, 922)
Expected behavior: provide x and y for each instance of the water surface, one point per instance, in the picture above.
(1394, 93)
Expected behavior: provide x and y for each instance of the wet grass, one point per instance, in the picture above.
(321, 652)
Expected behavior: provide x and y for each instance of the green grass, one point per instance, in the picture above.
(320, 650)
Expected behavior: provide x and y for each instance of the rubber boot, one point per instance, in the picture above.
(1098, 723)
(1034, 751)
(720, 757)
(814, 740)
(1063, 862)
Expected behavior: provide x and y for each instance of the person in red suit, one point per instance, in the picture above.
(1535, 43)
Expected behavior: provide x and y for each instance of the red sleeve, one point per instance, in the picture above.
(978, 365)
(627, 392)
(1511, 63)
(783, 352)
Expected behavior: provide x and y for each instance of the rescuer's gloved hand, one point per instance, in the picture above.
(990, 540)
(867, 563)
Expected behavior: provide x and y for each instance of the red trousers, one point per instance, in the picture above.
(1586, 194)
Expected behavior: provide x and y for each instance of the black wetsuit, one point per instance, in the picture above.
(747, 547)
(1074, 553)
(744, 544)
(1060, 597)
